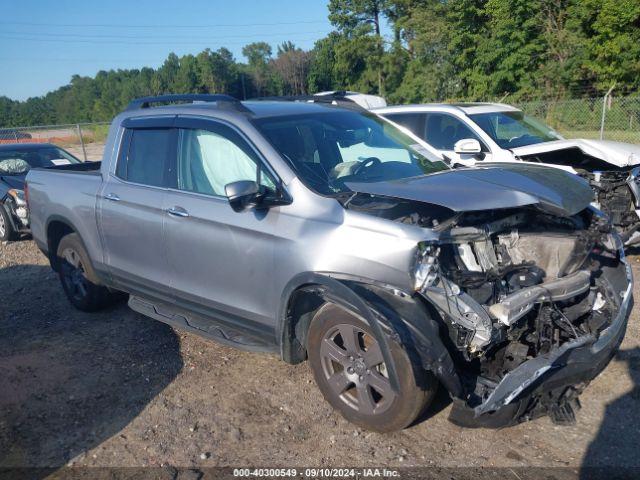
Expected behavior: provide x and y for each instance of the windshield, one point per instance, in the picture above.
(329, 149)
(514, 129)
(20, 161)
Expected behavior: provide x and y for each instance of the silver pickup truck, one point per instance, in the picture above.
(316, 230)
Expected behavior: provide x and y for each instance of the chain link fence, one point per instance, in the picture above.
(607, 118)
(84, 140)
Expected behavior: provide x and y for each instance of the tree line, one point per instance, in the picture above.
(438, 50)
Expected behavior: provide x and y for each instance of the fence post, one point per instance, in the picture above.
(84, 151)
(604, 110)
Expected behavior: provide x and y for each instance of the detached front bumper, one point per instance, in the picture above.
(550, 383)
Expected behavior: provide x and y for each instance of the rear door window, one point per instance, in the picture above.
(442, 131)
(412, 121)
(147, 155)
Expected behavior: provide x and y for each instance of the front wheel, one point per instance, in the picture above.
(79, 281)
(7, 233)
(347, 363)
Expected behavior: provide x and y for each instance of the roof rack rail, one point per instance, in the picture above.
(227, 100)
(329, 97)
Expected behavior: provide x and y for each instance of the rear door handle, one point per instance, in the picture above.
(178, 212)
(112, 196)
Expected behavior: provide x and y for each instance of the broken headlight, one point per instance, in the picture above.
(18, 196)
(425, 270)
(20, 205)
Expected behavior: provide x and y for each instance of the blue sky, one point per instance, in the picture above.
(43, 43)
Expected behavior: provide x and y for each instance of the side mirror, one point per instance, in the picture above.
(467, 146)
(243, 195)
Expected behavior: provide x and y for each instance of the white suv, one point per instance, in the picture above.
(473, 133)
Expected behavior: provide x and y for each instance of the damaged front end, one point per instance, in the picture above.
(616, 187)
(617, 193)
(16, 206)
(534, 304)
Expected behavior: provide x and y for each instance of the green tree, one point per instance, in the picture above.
(358, 64)
(186, 80)
(425, 31)
(613, 42)
(165, 76)
(560, 67)
(259, 55)
(512, 50)
(352, 17)
(292, 66)
(217, 71)
(356, 19)
(323, 58)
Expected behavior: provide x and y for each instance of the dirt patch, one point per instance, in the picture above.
(94, 151)
(118, 389)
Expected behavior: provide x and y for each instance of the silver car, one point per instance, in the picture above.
(317, 231)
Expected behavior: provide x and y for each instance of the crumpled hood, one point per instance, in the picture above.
(475, 189)
(616, 153)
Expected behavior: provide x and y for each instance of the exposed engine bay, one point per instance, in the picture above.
(516, 284)
(617, 189)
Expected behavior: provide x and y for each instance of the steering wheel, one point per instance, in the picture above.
(524, 135)
(366, 163)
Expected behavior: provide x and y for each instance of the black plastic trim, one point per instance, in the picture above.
(388, 311)
(145, 102)
(196, 323)
(154, 292)
(160, 121)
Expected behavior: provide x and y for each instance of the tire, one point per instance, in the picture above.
(79, 280)
(352, 377)
(7, 233)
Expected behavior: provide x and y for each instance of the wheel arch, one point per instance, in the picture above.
(390, 313)
(57, 228)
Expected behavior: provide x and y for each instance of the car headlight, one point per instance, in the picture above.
(425, 270)
(18, 196)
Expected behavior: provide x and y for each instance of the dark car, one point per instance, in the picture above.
(15, 161)
(12, 134)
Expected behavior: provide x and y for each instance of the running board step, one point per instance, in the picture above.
(205, 327)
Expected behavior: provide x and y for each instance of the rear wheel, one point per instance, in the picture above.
(7, 233)
(347, 363)
(79, 281)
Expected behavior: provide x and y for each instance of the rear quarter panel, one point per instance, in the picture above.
(72, 197)
(69, 197)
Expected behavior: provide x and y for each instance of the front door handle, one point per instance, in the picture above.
(178, 212)
(112, 196)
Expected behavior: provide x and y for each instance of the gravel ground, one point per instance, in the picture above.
(118, 389)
